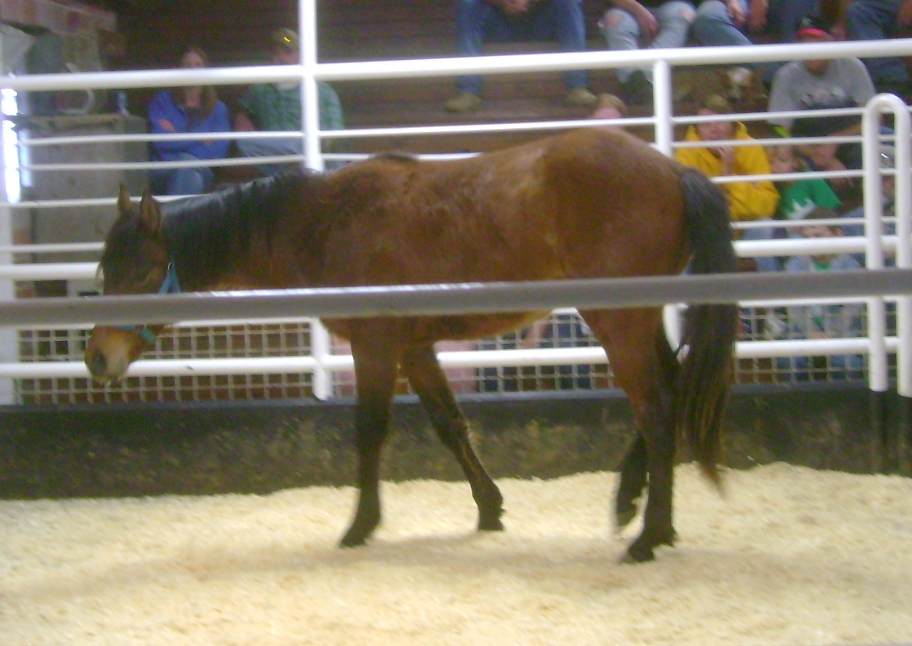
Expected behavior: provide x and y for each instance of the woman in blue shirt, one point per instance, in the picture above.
(186, 110)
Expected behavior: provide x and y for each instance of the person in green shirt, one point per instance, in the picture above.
(277, 107)
(798, 197)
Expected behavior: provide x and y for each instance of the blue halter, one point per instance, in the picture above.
(171, 285)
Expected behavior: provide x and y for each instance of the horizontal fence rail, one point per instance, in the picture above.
(456, 298)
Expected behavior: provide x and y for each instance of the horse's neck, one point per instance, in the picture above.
(245, 242)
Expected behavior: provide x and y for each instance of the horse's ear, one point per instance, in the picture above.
(124, 203)
(149, 213)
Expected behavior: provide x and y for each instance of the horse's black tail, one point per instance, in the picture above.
(709, 329)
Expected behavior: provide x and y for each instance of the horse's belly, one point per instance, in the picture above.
(447, 328)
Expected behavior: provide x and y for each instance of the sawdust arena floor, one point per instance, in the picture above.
(787, 556)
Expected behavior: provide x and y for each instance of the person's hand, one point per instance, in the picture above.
(649, 26)
(727, 155)
(756, 21)
(166, 125)
(243, 123)
(735, 13)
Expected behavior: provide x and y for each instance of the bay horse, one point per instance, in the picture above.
(589, 203)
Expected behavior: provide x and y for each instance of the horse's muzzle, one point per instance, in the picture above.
(109, 353)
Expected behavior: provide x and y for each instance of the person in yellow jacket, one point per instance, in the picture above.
(748, 200)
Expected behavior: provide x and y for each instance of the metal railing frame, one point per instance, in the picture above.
(310, 71)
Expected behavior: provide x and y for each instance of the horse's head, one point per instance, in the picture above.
(134, 261)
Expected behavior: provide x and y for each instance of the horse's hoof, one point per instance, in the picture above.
(623, 518)
(351, 542)
(635, 555)
(354, 538)
(494, 525)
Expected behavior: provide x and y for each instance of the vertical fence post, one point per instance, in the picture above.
(664, 139)
(9, 352)
(310, 114)
(878, 378)
(903, 212)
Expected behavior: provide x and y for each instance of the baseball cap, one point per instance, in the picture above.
(285, 37)
(813, 28)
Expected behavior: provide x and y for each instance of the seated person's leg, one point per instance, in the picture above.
(269, 147)
(564, 20)
(713, 25)
(764, 263)
(874, 21)
(476, 21)
(675, 20)
(181, 181)
(622, 33)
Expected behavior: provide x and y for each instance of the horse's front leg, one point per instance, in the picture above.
(375, 374)
(429, 382)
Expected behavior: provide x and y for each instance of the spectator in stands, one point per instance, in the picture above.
(519, 20)
(888, 201)
(733, 22)
(879, 20)
(189, 109)
(277, 107)
(748, 200)
(820, 83)
(836, 321)
(798, 197)
(655, 23)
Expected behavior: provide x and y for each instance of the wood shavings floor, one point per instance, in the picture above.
(787, 556)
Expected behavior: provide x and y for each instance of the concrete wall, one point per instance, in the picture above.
(244, 448)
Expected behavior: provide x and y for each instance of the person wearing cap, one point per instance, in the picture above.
(656, 24)
(747, 200)
(817, 83)
(519, 20)
(277, 107)
(189, 109)
(880, 20)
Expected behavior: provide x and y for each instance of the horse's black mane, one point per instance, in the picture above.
(211, 231)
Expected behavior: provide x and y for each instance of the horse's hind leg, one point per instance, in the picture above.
(429, 382)
(639, 359)
(375, 373)
(631, 482)
(632, 477)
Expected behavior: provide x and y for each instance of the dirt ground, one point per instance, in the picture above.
(787, 556)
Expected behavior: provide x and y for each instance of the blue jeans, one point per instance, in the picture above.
(271, 148)
(764, 263)
(181, 181)
(477, 21)
(622, 31)
(876, 20)
(714, 27)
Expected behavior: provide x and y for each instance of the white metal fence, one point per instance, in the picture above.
(41, 361)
